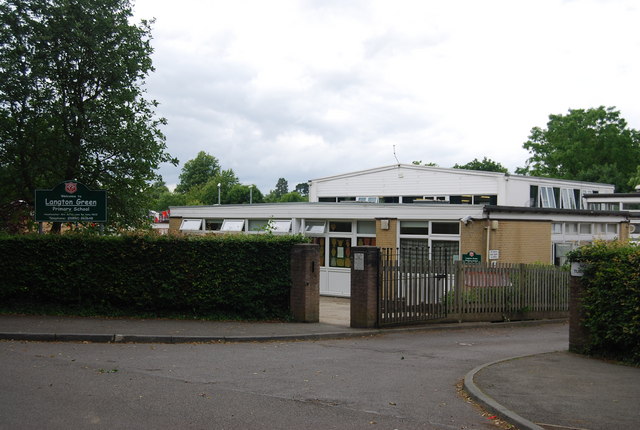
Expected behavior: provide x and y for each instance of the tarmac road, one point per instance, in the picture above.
(401, 380)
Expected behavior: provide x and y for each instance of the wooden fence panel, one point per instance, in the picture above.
(509, 290)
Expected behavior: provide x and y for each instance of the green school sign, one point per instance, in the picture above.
(71, 201)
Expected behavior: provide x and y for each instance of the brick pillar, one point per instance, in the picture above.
(364, 286)
(578, 333)
(305, 283)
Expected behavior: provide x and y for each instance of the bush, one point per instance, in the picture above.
(611, 300)
(246, 276)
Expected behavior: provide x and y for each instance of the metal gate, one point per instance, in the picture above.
(413, 285)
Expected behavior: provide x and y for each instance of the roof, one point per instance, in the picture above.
(449, 170)
(488, 209)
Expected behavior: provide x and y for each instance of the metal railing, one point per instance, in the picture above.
(413, 284)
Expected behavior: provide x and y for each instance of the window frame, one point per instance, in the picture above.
(229, 225)
(186, 221)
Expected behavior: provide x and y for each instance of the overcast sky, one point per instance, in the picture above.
(312, 88)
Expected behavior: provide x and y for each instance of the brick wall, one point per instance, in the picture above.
(517, 241)
(174, 225)
(387, 238)
(624, 231)
(473, 237)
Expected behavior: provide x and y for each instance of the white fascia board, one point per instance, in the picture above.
(335, 211)
(594, 198)
(408, 167)
(553, 217)
(563, 183)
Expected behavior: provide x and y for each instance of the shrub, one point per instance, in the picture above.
(611, 299)
(246, 276)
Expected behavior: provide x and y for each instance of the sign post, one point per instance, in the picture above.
(71, 201)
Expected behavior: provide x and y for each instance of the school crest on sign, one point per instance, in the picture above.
(70, 187)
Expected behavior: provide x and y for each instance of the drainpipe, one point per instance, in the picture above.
(488, 227)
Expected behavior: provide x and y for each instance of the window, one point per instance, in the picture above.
(283, 226)
(560, 252)
(413, 253)
(328, 199)
(367, 199)
(366, 227)
(320, 241)
(191, 224)
(556, 228)
(533, 196)
(339, 226)
(390, 199)
(258, 224)
(410, 199)
(366, 241)
(485, 200)
(547, 197)
(232, 225)
(445, 228)
(631, 206)
(612, 228)
(585, 228)
(568, 199)
(461, 200)
(212, 224)
(315, 227)
(571, 228)
(444, 251)
(414, 227)
(339, 252)
(346, 199)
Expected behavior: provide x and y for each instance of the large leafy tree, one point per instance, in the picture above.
(72, 104)
(487, 165)
(198, 171)
(587, 145)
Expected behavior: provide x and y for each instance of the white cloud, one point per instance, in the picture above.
(308, 88)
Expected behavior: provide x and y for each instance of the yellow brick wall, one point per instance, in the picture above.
(624, 231)
(174, 225)
(387, 238)
(517, 241)
(473, 238)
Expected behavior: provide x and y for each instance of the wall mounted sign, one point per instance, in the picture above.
(471, 257)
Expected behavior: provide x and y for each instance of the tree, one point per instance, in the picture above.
(302, 189)
(293, 196)
(240, 194)
(282, 188)
(419, 163)
(198, 171)
(72, 105)
(635, 179)
(207, 194)
(486, 165)
(586, 145)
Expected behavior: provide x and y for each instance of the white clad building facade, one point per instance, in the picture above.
(518, 218)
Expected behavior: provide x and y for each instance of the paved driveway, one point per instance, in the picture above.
(396, 381)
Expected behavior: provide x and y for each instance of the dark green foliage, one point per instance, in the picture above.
(198, 171)
(487, 165)
(611, 299)
(242, 276)
(593, 145)
(72, 105)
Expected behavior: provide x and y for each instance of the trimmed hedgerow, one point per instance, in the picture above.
(245, 276)
(611, 299)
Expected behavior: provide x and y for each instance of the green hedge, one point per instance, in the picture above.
(245, 276)
(611, 299)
